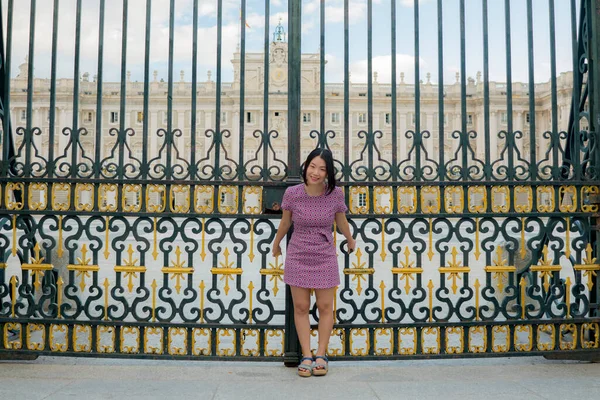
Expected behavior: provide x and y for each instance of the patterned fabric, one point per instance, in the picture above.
(311, 260)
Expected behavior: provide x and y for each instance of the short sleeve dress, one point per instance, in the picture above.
(311, 259)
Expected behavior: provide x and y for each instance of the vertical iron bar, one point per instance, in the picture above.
(574, 133)
(395, 173)
(532, 131)
(265, 170)
(486, 94)
(291, 344)
(6, 95)
(75, 124)
(370, 136)
(169, 137)
(52, 110)
(441, 118)
(242, 92)
(346, 93)
(509, 105)
(555, 137)
(217, 135)
(121, 136)
(417, 135)
(99, 82)
(28, 138)
(464, 137)
(146, 93)
(193, 168)
(322, 76)
(294, 84)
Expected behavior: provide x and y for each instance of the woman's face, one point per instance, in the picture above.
(316, 171)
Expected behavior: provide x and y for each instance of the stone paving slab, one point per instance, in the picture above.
(491, 378)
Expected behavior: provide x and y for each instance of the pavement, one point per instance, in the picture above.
(486, 378)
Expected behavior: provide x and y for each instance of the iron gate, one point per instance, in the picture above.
(154, 240)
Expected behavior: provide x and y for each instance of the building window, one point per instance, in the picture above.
(362, 199)
(249, 118)
(335, 94)
(527, 117)
(165, 117)
(306, 118)
(413, 121)
(23, 115)
(335, 118)
(223, 197)
(224, 118)
(89, 116)
(140, 117)
(445, 119)
(362, 95)
(362, 118)
(388, 118)
(114, 117)
(470, 119)
(503, 118)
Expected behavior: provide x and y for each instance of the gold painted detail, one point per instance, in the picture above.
(37, 267)
(180, 199)
(84, 197)
(275, 272)
(132, 198)
(383, 199)
(586, 192)
(38, 196)
(228, 199)
(589, 266)
(61, 196)
(156, 198)
(247, 192)
(523, 199)
(84, 268)
(359, 271)
(500, 268)
(107, 197)
(178, 269)
(407, 200)
(546, 268)
(500, 199)
(204, 199)
(430, 199)
(523, 329)
(9, 195)
(454, 199)
(568, 198)
(454, 268)
(407, 269)
(545, 199)
(226, 269)
(477, 199)
(362, 195)
(130, 269)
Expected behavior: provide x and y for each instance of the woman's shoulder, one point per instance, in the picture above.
(295, 189)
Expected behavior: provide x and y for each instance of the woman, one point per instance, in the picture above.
(311, 259)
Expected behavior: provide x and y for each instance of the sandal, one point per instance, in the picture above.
(305, 370)
(323, 367)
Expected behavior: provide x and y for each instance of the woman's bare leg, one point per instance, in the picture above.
(301, 299)
(325, 306)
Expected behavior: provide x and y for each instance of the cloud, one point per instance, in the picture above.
(334, 69)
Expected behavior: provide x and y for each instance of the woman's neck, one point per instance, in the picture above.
(315, 189)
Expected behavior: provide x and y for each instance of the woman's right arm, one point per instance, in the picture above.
(284, 227)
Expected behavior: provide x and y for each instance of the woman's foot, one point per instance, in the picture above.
(305, 367)
(321, 366)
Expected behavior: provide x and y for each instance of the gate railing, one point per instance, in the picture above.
(166, 252)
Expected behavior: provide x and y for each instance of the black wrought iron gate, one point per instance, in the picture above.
(135, 226)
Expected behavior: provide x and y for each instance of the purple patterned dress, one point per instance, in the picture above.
(311, 260)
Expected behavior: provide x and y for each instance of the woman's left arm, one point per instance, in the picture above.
(344, 227)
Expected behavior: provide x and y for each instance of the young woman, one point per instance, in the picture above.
(311, 260)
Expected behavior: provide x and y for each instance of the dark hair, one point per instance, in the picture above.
(328, 158)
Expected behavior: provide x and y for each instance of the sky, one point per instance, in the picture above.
(334, 37)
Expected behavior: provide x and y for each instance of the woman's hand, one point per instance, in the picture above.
(351, 245)
(276, 249)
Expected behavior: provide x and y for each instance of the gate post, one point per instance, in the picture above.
(292, 351)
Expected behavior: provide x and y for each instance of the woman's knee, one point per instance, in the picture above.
(301, 307)
(325, 307)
